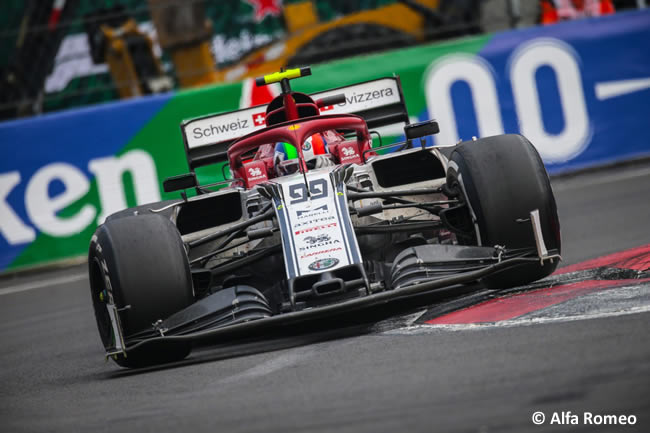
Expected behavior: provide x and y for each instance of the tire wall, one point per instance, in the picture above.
(580, 91)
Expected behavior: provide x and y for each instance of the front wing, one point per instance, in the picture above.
(246, 324)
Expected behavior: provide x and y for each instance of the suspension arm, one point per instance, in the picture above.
(266, 214)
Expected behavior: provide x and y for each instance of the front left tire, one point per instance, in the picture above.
(141, 262)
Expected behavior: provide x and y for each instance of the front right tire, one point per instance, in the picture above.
(502, 179)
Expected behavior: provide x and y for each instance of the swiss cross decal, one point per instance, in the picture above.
(327, 108)
(259, 119)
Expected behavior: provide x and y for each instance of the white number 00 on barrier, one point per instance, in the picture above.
(523, 65)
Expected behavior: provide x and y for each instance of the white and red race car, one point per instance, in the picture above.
(313, 222)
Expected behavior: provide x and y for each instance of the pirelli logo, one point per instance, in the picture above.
(315, 228)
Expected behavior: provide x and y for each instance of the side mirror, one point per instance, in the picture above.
(422, 129)
(331, 100)
(179, 182)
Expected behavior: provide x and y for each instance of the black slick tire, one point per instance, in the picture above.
(503, 179)
(141, 262)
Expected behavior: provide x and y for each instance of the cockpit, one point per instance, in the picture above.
(298, 137)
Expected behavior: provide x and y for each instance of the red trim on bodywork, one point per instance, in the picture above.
(296, 133)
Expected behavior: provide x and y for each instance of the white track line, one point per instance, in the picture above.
(42, 284)
(272, 365)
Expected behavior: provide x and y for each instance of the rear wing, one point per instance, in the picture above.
(207, 139)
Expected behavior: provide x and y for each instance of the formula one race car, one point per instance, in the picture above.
(313, 222)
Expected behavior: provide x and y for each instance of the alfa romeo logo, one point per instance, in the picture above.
(322, 264)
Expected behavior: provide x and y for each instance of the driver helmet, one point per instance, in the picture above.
(314, 149)
(313, 146)
(285, 152)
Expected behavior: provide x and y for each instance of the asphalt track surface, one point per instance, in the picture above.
(53, 377)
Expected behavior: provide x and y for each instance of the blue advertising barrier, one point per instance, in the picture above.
(580, 91)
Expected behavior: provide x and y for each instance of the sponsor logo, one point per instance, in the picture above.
(311, 240)
(322, 264)
(306, 146)
(43, 210)
(294, 127)
(319, 245)
(254, 171)
(314, 229)
(313, 221)
(262, 8)
(75, 49)
(309, 212)
(219, 129)
(357, 98)
(348, 154)
(318, 253)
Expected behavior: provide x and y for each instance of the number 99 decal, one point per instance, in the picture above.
(317, 189)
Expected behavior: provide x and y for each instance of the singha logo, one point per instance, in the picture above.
(311, 240)
(254, 171)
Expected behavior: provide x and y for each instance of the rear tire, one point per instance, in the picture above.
(144, 260)
(502, 179)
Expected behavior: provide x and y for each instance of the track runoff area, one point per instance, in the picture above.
(590, 316)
